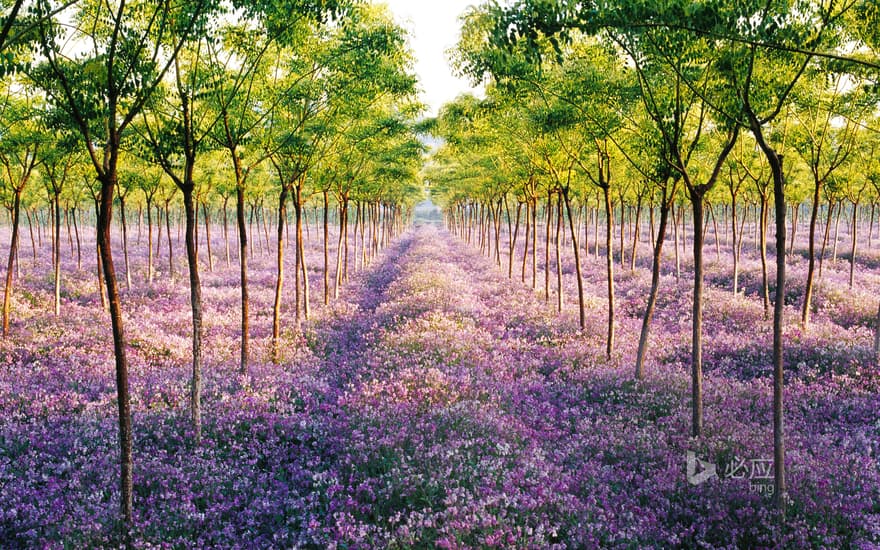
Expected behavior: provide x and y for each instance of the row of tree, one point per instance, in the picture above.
(276, 101)
(640, 103)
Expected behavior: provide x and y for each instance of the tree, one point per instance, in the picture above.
(823, 145)
(242, 106)
(759, 51)
(172, 135)
(19, 148)
(127, 48)
(59, 158)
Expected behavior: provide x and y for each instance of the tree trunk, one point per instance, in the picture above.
(655, 289)
(826, 236)
(735, 245)
(158, 232)
(715, 233)
(560, 295)
(78, 242)
(261, 221)
(596, 228)
(168, 237)
(811, 256)
(108, 185)
(297, 208)
(195, 298)
(302, 257)
(697, 312)
(677, 255)
(871, 225)
(226, 230)
(512, 248)
(10, 264)
(548, 214)
(362, 207)
(836, 232)
(775, 162)
(778, 319)
(497, 234)
(609, 266)
(765, 277)
(100, 269)
(31, 229)
(124, 242)
(344, 233)
(242, 260)
(149, 242)
(622, 234)
(852, 257)
(534, 243)
(635, 242)
(279, 281)
(327, 249)
(206, 215)
(69, 232)
(528, 235)
(56, 253)
(343, 221)
(577, 262)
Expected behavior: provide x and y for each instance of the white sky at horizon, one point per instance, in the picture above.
(434, 28)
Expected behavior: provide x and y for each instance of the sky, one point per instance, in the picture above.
(434, 28)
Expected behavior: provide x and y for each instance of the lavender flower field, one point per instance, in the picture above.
(437, 404)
